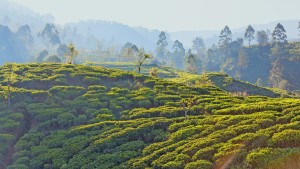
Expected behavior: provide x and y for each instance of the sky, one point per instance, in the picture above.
(170, 15)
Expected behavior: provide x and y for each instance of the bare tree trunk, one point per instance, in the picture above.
(139, 68)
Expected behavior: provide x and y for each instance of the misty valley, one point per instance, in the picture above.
(105, 95)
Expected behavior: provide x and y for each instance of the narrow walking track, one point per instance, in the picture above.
(21, 131)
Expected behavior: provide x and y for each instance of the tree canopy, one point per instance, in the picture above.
(279, 34)
(249, 34)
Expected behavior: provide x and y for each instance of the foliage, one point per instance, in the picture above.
(112, 124)
(249, 34)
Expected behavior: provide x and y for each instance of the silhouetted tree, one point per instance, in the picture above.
(161, 46)
(279, 34)
(225, 40)
(178, 54)
(249, 34)
(199, 46)
(50, 35)
(24, 34)
(214, 59)
(262, 37)
(242, 60)
(191, 63)
(11, 47)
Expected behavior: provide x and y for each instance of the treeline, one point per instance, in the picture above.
(270, 62)
(262, 62)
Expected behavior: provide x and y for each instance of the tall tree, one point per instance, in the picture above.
(249, 34)
(72, 53)
(262, 37)
(178, 54)
(24, 34)
(161, 47)
(279, 34)
(214, 59)
(141, 58)
(242, 60)
(193, 64)
(225, 40)
(50, 35)
(199, 46)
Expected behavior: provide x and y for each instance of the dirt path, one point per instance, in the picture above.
(20, 132)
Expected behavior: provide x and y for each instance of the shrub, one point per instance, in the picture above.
(91, 80)
(286, 138)
(203, 164)
(273, 158)
(97, 88)
(66, 92)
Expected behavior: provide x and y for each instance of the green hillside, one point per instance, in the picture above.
(220, 80)
(75, 116)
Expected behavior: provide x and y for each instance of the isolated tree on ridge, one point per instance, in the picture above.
(72, 53)
(279, 34)
(141, 58)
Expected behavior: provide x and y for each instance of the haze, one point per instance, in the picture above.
(170, 15)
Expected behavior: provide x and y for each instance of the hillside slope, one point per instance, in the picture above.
(220, 80)
(74, 116)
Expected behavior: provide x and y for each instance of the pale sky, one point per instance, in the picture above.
(170, 15)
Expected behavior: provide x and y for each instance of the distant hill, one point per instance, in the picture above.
(86, 33)
(14, 16)
(109, 33)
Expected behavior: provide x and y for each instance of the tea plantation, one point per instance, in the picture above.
(84, 117)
